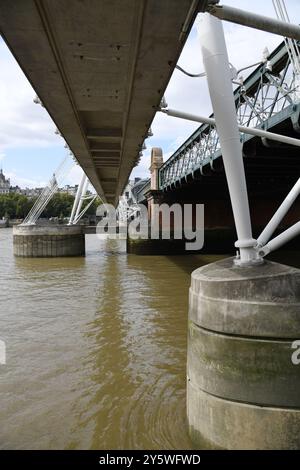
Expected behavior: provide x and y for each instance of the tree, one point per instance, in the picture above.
(15, 205)
(59, 206)
(93, 207)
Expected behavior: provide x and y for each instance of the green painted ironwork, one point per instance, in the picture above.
(266, 98)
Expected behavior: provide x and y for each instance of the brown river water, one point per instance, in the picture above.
(96, 349)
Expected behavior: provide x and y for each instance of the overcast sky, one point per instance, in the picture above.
(29, 149)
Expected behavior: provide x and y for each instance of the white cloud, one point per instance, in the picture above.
(74, 176)
(22, 122)
(245, 47)
(16, 180)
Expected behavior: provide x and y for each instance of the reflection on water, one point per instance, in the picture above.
(96, 349)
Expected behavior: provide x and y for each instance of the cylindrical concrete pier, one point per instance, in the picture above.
(243, 387)
(36, 241)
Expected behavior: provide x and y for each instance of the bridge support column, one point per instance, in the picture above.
(243, 382)
(216, 64)
(34, 241)
(156, 163)
(243, 376)
(151, 246)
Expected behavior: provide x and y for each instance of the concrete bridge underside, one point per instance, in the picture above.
(100, 69)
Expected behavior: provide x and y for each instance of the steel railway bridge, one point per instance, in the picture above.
(267, 100)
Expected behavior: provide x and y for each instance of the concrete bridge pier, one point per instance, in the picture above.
(243, 376)
(243, 379)
(35, 241)
(150, 245)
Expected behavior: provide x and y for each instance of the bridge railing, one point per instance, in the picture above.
(268, 96)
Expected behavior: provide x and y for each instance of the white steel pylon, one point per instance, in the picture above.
(216, 64)
(48, 192)
(81, 195)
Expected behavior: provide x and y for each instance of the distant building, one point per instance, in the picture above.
(137, 185)
(29, 192)
(127, 194)
(4, 183)
(132, 188)
(6, 188)
(15, 189)
(69, 189)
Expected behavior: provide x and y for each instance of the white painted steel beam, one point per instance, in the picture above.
(83, 193)
(246, 130)
(77, 198)
(281, 240)
(279, 215)
(216, 65)
(252, 20)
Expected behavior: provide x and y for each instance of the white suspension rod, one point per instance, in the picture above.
(35, 211)
(246, 130)
(39, 205)
(252, 20)
(282, 239)
(279, 215)
(42, 207)
(77, 198)
(35, 207)
(84, 210)
(85, 185)
(216, 64)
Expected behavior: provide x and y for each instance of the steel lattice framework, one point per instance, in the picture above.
(267, 97)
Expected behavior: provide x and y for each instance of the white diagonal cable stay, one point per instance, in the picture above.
(50, 189)
(124, 210)
(81, 196)
(291, 44)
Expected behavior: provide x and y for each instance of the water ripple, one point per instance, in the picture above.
(96, 350)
